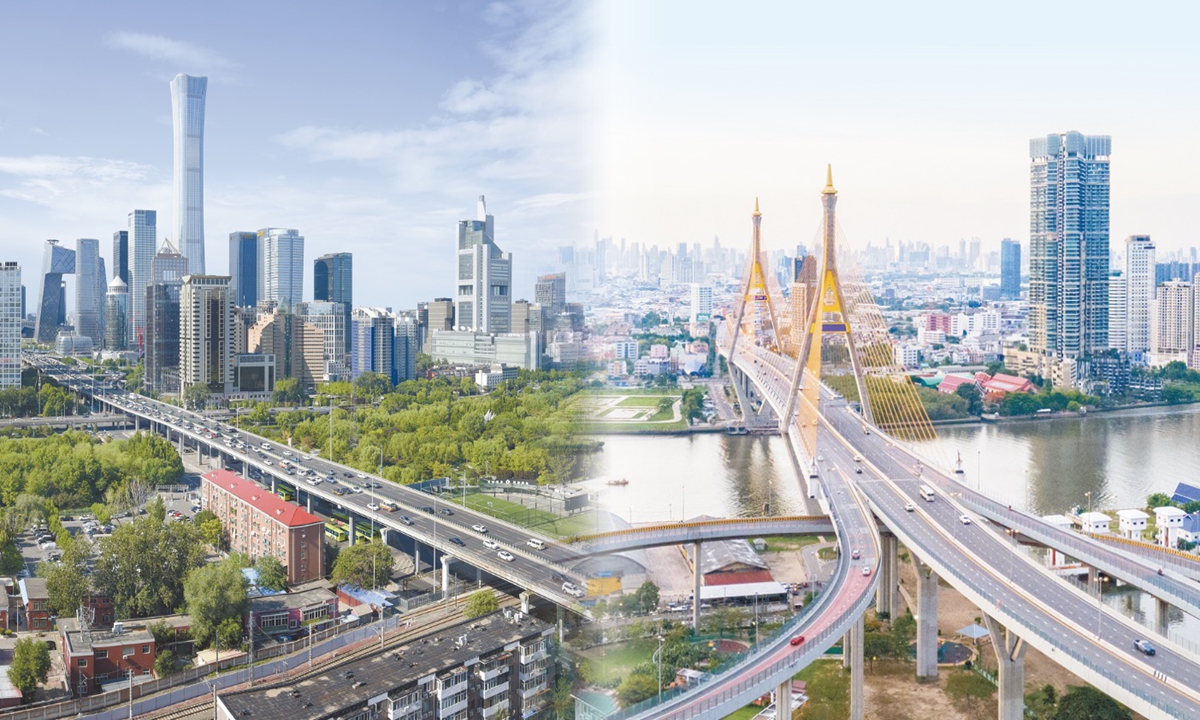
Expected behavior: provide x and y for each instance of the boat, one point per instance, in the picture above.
(621, 482)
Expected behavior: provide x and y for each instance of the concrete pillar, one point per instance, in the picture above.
(783, 700)
(308, 497)
(927, 616)
(416, 557)
(351, 516)
(525, 597)
(272, 483)
(855, 647)
(383, 535)
(446, 574)
(1093, 581)
(559, 610)
(1161, 608)
(479, 579)
(696, 586)
(886, 596)
(1010, 656)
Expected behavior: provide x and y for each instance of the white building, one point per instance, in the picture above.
(187, 112)
(1172, 324)
(10, 325)
(1139, 293)
(205, 334)
(1168, 521)
(280, 266)
(1055, 558)
(625, 349)
(1096, 523)
(907, 356)
(1132, 523)
(483, 300)
(701, 308)
(1117, 312)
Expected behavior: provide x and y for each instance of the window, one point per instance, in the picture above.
(126, 652)
(316, 612)
(101, 654)
(145, 649)
(82, 662)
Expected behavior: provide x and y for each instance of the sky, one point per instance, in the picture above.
(370, 126)
(925, 111)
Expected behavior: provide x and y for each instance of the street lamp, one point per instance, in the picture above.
(1088, 495)
(658, 665)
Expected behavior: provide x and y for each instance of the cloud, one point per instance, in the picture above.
(177, 52)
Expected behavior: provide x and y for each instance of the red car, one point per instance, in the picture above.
(798, 639)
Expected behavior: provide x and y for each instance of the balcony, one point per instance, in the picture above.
(492, 692)
(492, 711)
(492, 671)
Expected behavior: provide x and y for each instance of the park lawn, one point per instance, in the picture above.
(663, 414)
(745, 713)
(535, 518)
(630, 428)
(785, 543)
(646, 401)
(614, 662)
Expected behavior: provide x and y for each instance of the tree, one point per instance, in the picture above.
(196, 397)
(481, 603)
(271, 573)
(365, 564)
(879, 645)
(67, 582)
(1173, 395)
(101, 512)
(211, 531)
(1157, 500)
(164, 662)
(30, 666)
(372, 385)
(289, 391)
(636, 688)
(1088, 703)
(969, 692)
(647, 597)
(970, 393)
(142, 565)
(215, 594)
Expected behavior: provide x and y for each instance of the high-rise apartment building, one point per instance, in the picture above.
(10, 325)
(187, 111)
(551, 293)
(205, 329)
(280, 266)
(1068, 249)
(52, 307)
(143, 241)
(1173, 323)
(483, 302)
(116, 315)
(702, 303)
(121, 255)
(439, 318)
(333, 281)
(406, 332)
(1010, 269)
(329, 319)
(243, 268)
(373, 344)
(161, 337)
(90, 288)
(1118, 307)
(1139, 293)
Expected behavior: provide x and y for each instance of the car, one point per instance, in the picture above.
(964, 519)
(909, 507)
(287, 453)
(374, 485)
(406, 520)
(536, 544)
(356, 488)
(268, 463)
(866, 570)
(283, 638)
(372, 505)
(820, 458)
(1144, 647)
(855, 554)
(427, 509)
(306, 457)
(858, 471)
(491, 544)
(458, 541)
(446, 511)
(266, 446)
(361, 476)
(339, 491)
(478, 528)
(388, 507)
(330, 479)
(797, 640)
(348, 474)
(506, 556)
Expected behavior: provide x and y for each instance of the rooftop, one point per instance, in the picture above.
(728, 555)
(290, 601)
(1169, 511)
(1132, 515)
(33, 589)
(339, 690)
(1185, 493)
(268, 503)
(78, 644)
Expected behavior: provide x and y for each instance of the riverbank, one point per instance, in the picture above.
(1064, 414)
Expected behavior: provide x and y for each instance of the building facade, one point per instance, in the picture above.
(439, 316)
(11, 320)
(243, 268)
(92, 658)
(90, 288)
(258, 522)
(187, 111)
(1069, 254)
(121, 255)
(143, 241)
(1139, 293)
(329, 318)
(333, 281)
(280, 266)
(205, 329)
(116, 315)
(1010, 269)
(161, 339)
(1172, 323)
(483, 302)
(52, 305)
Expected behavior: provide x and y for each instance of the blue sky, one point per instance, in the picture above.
(370, 126)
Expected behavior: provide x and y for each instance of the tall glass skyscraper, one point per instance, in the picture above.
(121, 255)
(56, 262)
(1068, 244)
(243, 268)
(280, 266)
(483, 302)
(143, 239)
(187, 110)
(90, 288)
(116, 315)
(333, 281)
(1010, 269)
(169, 265)
(10, 325)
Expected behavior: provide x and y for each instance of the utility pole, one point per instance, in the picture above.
(131, 694)
(251, 648)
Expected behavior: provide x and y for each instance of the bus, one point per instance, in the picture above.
(926, 493)
(341, 514)
(336, 532)
(285, 491)
(363, 531)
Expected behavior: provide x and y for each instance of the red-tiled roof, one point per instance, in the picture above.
(268, 503)
(952, 382)
(1008, 383)
(737, 578)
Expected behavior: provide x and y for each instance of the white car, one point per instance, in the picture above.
(964, 519)
(478, 528)
(866, 570)
(355, 488)
(536, 544)
(307, 457)
(909, 507)
(266, 446)
(505, 556)
(268, 463)
(362, 476)
(372, 506)
(491, 544)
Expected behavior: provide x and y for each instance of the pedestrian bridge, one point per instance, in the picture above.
(701, 531)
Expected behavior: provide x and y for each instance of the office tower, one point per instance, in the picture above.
(1010, 269)
(143, 241)
(116, 315)
(373, 342)
(702, 300)
(1118, 306)
(187, 111)
(121, 255)
(161, 337)
(1139, 293)
(441, 319)
(333, 277)
(551, 293)
(90, 287)
(169, 265)
(243, 268)
(280, 266)
(205, 327)
(484, 301)
(11, 320)
(405, 347)
(1173, 323)
(52, 307)
(329, 319)
(1068, 248)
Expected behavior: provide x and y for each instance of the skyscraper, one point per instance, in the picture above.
(169, 265)
(1118, 306)
(551, 293)
(1139, 293)
(90, 288)
(205, 328)
(330, 319)
(1068, 248)
(161, 338)
(121, 255)
(440, 318)
(143, 239)
(1173, 323)
(280, 266)
(187, 111)
(404, 348)
(52, 307)
(1010, 269)
(373, 342)
(116, 315)
(243, 268)
(483, 302)
(333, 280)
(10, 325)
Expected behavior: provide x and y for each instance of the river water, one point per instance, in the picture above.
(1045, 466)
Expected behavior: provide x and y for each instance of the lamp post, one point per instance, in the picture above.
(658, 665)
(1088, 495)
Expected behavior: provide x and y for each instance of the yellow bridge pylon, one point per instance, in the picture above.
(759, 292)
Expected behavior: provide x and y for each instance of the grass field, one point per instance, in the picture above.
(541, 520)
(613, 662)
(785, 543)
(646, 401)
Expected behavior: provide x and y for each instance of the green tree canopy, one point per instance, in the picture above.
(271, 573)
(215, 594)
(30, 666)
(1088, 703)
(196, 397)
(636, 688)
(365, 564)
(67, 581)
(481, 603)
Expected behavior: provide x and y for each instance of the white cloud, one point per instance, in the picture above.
(178, 52)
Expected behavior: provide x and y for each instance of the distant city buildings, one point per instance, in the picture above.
(280, 266)
(187, 112)
(161, 339)
(1139, 294)
(10, 325)
(169, 265)
(1010, 269)
(143, 241)
(483, 302)
(90, 289)
(333, 280)
(243, 268)
(116, 315)
(121, 255)
(1172, 330)
(52, 305)
(205, 328)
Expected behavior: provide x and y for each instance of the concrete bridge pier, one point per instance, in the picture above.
(783, 700)
(308, 500)
(1161, 608)
(886, 595)
(383, 535)
(1010, 656)
(696, 587)
(1093, 580)
(446, 575)
(351, 517)
(416, 556)
(526, 596)
(272, 483)
(927, 617)
(853, 647)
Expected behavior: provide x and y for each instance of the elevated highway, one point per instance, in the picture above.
(701, 531)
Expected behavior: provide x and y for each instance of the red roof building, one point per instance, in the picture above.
(258, 522)
(1001, 385)
(951, 383)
